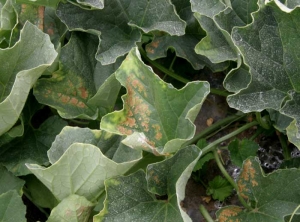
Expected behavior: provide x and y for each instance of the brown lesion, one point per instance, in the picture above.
(249, 173)
(152, 46)
(227, 214)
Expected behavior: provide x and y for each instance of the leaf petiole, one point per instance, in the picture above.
(205, 214)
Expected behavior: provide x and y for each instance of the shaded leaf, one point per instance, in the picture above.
(241, 150)
(73, 208)
(32, 147)
(81, 170)
(119, 33)
(9, 181)
(21, 66)
(156, 116)
(12, 208)
(128, 198)
(49, 3)
(273, 196)
(39, 193)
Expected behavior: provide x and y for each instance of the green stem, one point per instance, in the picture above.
(258, 132)
(29, 198)
(172, 63)
(205, 214)
(216, 126)
(230, 180)
(297, 208)
(284, 146)
(212, 145)
(176, 76)
(262, 121)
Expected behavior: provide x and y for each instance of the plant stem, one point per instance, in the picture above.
(212, 145)
(230, 180)
(176, 76)
(284, 146)
(205, 214)
(211, 129)
(262, 121)
(29, 198)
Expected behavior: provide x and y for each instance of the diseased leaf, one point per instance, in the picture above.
(73, 208)
(273, 196)
(269, 50)
(32, 147)
(21, 66)
(209, 8)
(108, 143)
(219, 188)
(129, 200)
(12, 208)
(81, 170)
(184, 45)
(9, 181)
(156, 116)
(241, 150)
(120, 23)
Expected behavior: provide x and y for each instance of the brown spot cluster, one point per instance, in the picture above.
(158, 134)
(70, 100)
(225, 215)
(152, 46)
(247, 175)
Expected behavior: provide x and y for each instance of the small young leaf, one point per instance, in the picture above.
(241, 150)
(207, 157)
(219, 188)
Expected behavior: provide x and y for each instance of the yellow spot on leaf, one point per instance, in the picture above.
(226, 214)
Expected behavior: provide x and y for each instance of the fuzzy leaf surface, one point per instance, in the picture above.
(128, 198)
(269, 50)
(21, 66)
(155, 116)
(268, 193)
(81, 170)
(120, 23)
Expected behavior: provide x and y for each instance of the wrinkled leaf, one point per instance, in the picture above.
(73, 208)
(120, 23)
(209, 8)
(108, 143)
(156, 116)
(98, 4)
(128, 198)
(273, 196)
(9, 181)
(241, 150)
(12, 208)
(21, 66)
(269, 50)
(81, 170)
(32, 147)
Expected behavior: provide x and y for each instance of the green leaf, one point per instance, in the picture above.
(32, 147)
(184, 45)
(22, 65)
(12, 208)
(219, 188)
(273, 64)
(156, 116)
(40, 195)
(241, 150)
(209, 8)
(108, 143)
(9, 181)
(73, 208)
(82, 170)
(120, 23)
(207, 157)
(273, 196)
(129, 200)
